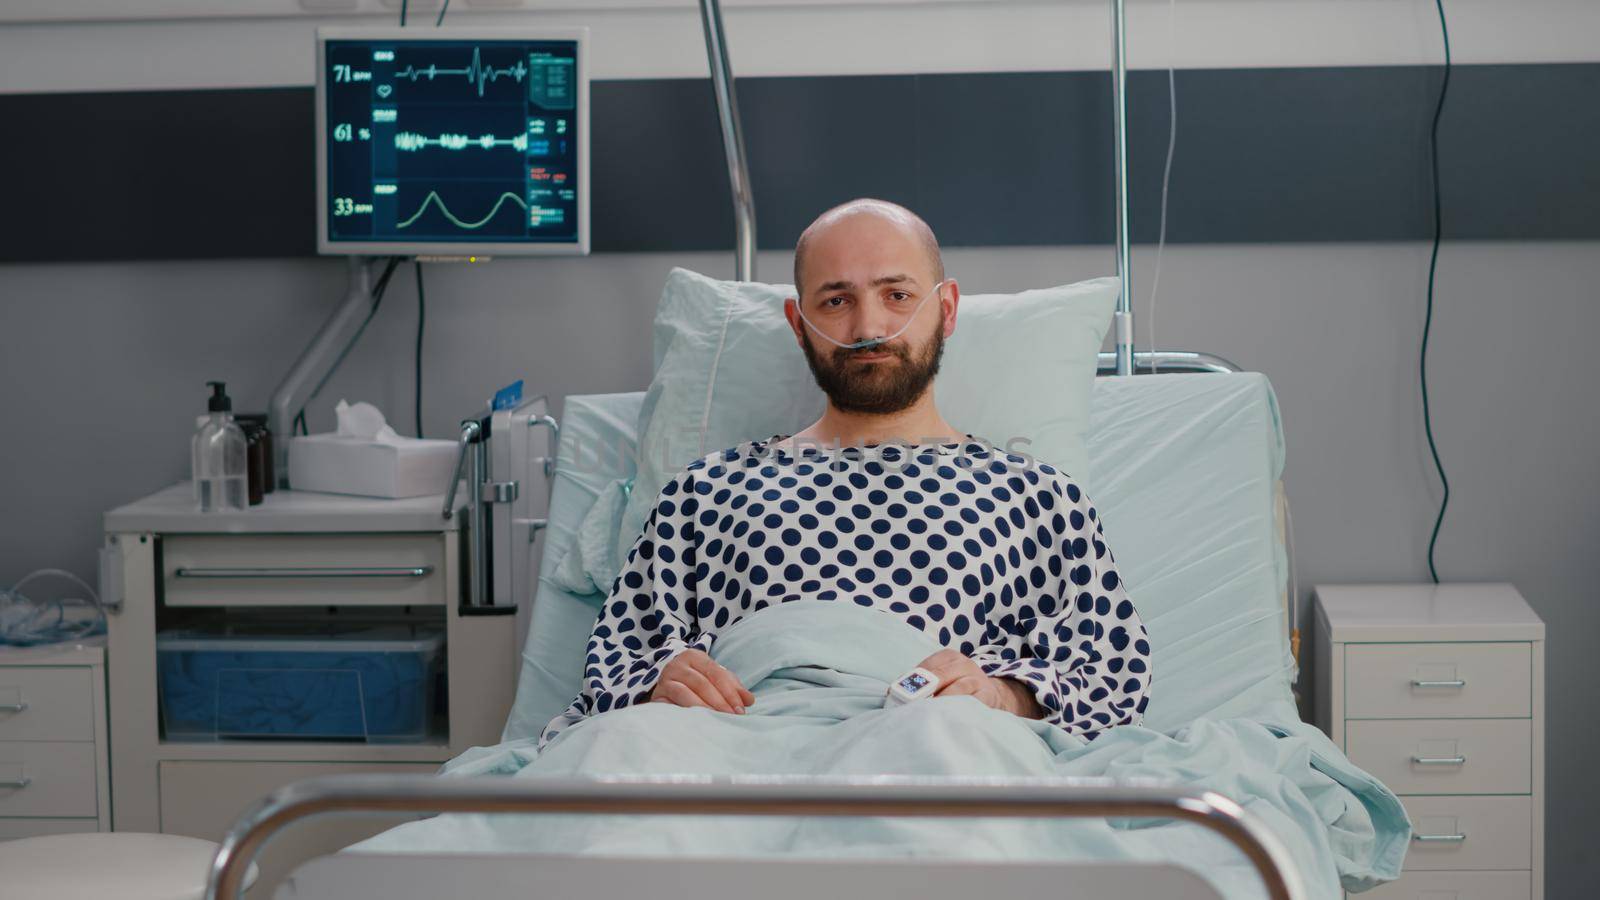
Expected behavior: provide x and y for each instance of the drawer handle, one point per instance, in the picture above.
(19, 784)
(1459, 682)
(1438, 760)
(14, 707)
(1439, 838)
(311, 572)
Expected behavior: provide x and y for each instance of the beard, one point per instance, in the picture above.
(881, 387)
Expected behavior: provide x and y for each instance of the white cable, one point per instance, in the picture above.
(26, 622)
(1294, 575)
(716, 364)
(1166, 175)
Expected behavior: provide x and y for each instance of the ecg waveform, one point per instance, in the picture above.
(475, 72)
(433, 197)
(406, 140)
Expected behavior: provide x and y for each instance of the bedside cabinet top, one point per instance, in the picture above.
(87, 652)
(172, 509)
(1425, 612)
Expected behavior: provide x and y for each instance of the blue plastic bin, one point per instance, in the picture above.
(374, 685)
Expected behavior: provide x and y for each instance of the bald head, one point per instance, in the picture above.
(896, 217)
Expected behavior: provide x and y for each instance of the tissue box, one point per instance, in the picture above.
(339, 464)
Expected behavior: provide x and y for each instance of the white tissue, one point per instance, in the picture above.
(363, 421)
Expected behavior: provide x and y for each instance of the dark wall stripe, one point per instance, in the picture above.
(157, 175)
(1264, 156)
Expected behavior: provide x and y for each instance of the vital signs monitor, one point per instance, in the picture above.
(452, 142)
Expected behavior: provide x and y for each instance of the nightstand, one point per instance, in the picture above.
(1438, 692)
(300, 559)
(53, 766)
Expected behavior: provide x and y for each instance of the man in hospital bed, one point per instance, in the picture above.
(780, 586)
(879, 503)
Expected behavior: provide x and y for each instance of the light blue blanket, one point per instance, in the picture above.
(819, 671)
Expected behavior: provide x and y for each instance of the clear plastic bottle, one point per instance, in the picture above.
(218, 456)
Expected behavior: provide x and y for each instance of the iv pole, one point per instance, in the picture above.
(1123, 320)
(744, 204)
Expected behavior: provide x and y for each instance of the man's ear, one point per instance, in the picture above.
(950, 299)
(791, 311)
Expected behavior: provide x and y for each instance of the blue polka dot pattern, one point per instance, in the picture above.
(998, 556)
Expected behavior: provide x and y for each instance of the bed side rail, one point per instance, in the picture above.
(1150, 361)
(750, 795)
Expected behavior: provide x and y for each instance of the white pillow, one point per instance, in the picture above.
(727, 370)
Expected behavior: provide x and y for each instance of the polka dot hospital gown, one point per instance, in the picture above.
(993, 554)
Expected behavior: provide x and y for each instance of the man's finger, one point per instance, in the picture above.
(687, 696)
(732, 691)
(696, 699)
(701, 685)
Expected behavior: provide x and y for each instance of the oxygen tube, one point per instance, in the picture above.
(872, 342)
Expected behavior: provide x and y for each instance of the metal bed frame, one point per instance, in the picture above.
(767, 795)
(760, 796)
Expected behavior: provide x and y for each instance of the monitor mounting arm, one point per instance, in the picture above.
(317, 362)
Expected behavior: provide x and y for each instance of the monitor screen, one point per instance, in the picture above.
(448, 142)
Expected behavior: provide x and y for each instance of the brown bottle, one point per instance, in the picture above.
(269, 469)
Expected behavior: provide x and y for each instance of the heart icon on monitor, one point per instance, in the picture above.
(385, 90)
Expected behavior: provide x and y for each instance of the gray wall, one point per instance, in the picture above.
(104, 367)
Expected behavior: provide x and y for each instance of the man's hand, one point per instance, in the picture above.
(959, 675)
(692, 678)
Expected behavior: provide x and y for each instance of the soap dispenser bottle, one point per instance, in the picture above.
(218, 456)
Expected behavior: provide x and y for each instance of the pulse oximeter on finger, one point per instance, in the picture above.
(914, 685)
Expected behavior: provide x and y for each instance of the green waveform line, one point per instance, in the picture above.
(433, 197)
(409, 141)
(476, 72)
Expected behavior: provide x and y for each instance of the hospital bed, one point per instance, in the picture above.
(1185, 468)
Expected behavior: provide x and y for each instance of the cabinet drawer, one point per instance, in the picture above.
(1422, 681)
(12, 829)
(1468, 756)
(303, 570)
(1494, 832)
(46, 778)
(1456, 886)
(57, 703)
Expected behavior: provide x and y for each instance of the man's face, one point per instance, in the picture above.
(863, 278)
